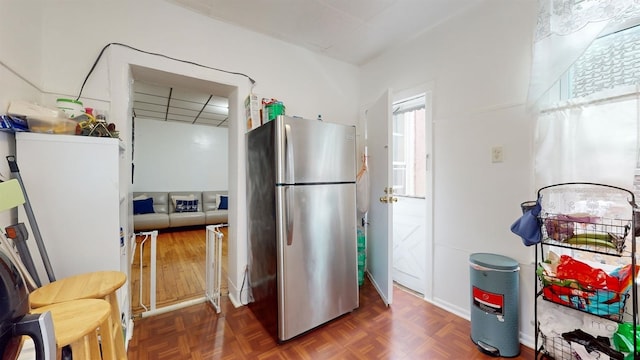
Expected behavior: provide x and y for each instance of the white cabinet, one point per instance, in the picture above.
(73, 185)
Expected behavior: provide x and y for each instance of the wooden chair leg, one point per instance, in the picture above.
(108, 343)
(116, 327)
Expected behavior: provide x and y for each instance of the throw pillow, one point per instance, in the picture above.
(186, 205)
(175, 198)
(223, 204)
(144, 206)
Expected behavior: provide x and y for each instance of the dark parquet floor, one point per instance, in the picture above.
(410, 329)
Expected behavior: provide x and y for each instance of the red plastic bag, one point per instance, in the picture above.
(585, 275)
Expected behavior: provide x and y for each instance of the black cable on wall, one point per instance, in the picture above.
(95, 63)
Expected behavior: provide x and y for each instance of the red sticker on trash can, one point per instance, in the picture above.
(488, 302)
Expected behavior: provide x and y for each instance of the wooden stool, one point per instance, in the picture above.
(78, 323)
(93, 285)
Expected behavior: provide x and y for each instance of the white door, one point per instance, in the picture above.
(380, 215)
(409, 234)
(411, 146)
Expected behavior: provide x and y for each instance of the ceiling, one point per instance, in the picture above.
(159, 95)
(353, 31)
(168, 103)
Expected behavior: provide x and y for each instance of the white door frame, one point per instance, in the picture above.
(119, 83)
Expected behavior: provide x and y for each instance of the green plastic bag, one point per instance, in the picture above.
(623, 338)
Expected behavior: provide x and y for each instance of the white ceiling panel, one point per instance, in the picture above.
(166, 103)
(353, 31)
(333, 27)
(363, 10)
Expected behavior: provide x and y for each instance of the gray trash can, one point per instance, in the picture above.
(495, 304)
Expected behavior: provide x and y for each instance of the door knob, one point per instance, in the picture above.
(388, 199)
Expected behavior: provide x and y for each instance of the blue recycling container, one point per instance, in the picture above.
(495, 303)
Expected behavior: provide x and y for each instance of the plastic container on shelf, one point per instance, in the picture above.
(42, 119)
(274, 109)
(71, 108)
(58, 125)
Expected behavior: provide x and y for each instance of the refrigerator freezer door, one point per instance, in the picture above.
(317, 263)
(312, 151)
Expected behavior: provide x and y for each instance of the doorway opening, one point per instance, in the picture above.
(180, 143)
(409, 186)
(125, 69)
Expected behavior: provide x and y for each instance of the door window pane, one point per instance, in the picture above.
(409, 154)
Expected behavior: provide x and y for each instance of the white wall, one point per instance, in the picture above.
(478, 63)
(171, 156)
(308, 84)
(19, 71)
(58, 55)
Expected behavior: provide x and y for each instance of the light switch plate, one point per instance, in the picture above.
(497, 154)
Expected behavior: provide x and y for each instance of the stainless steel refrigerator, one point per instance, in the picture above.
(301, 220)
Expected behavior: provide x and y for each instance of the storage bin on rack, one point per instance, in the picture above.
(600, 302)
(556, 347)
(608, 303)
(586, 232)
(575, 344)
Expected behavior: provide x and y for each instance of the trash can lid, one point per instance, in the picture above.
(494, 261)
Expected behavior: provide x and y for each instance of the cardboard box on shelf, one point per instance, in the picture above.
(252, 111)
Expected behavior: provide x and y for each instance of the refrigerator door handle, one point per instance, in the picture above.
(288, 198)
(289, 159)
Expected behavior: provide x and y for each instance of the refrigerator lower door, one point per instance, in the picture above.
(317, 264)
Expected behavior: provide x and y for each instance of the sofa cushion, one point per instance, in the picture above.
(210, 204)
(159, 219)
(144, 222)
(140, 197)
(210, 199)
(186, 219)
(213, 217)
(160, 200)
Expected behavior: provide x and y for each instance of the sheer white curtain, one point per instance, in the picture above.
(564, 29)
(592, 139)
(588, 141)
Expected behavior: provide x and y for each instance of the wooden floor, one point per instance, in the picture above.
(180, 268)
(410, 329)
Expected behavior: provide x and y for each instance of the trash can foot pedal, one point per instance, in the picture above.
(488, 349)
